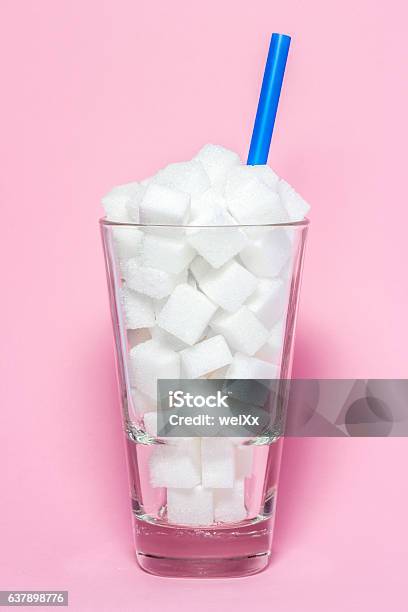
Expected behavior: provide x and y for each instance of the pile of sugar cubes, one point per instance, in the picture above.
(202, 301)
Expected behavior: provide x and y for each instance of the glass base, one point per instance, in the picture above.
(219, 552)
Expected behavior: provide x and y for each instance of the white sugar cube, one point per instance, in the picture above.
(240, 176)
(149, 281)
(244, 367)
(266, 255)
(199, 267)
(295, 205)
(176, 465)
(256, 203)
(241, 329)
(217, 463)
(217, 244)
(189, 177)
(164, 206)
(150, 362)
(217, 162)
(168, 340)
(190, 506)
(272, 349)
(117, 200)
(229, 504)
(229, 286)
(141, 402)
(168, 254)
(269, 300)
(150, 423)
(127, 242)
(205, 357)
(138, 309)
(244, 456)
(137, 336)
(210, 200)
(186, 314)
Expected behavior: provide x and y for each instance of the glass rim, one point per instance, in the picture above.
(303, 223)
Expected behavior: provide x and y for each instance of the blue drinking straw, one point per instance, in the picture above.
(268, 99)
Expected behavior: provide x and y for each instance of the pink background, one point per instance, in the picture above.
(99, 92)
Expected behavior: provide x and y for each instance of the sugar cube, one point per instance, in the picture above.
(141, 402)
(229, 504)
(176, 465)
(217, 162)
(166, 339)
(189, 177)
(186, 314)
(217, 244)
(240, 176)
(269, 300)
(168, 254)
(190, 506)
(150, 423)
(217, 463)
(164, 206)
(210, 200)
(150, 362)
(137, 336)
(138, 309)
(295, 205)
(127, 242)
(199, 267)
(116, 202)
(244, 367)
(266, 255)
(229, 286)
(149, 281)
(243, 461)
(205, 357)
(241, 329)
(256, 203)
(272, 349)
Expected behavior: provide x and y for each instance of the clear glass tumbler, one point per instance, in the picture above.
(172, 289)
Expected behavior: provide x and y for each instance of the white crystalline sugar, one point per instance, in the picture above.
(269, 300)
(186, 314)
(199, 267)
(256, 203)
(210, 200)
(127, 242)
(217, 244)
(163, 205)
(244, 367)
(296, 207)
(138, 309)
(133, 204)
(116, 202)
(272, 349)
(149, 281)
(137, 336)
(217, 162)
(150, 423)
(217, 463)
(266, 255)
(176, 465)
(168, 340)
(241, 329)
(205, 357)
(141, 402)
(229, 286)
(244, 456)
(190, 506)
(189, 177)
(241, 176)
(229, 504)
(150, 362)
(167, 254)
